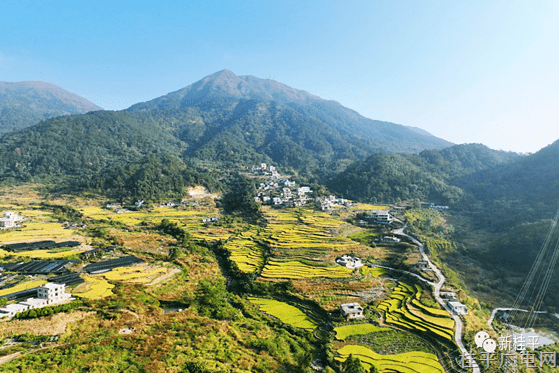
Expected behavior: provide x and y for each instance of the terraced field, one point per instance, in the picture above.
(35, 230)
(135, 274)
(410, 362)
(374, 272)
(245, 252)
(189, 219)
(298, 270)
(43, 254)
(366, 206)
(285, 313)
(94, 288)
(399, 310)
(343, 332)
(22, 287)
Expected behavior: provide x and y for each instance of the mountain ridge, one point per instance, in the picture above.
(26, 103)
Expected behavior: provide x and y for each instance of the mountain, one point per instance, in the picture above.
(222, 121)
(428, 175)
(23, 104)
(525, 190)
(224, 85)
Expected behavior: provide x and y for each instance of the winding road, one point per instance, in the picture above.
(437, 290)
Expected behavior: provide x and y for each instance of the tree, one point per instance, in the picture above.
(353, 365)
(373, 369)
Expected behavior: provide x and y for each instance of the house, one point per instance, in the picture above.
(266, 199)
(390, 239)
(303, 190)
(289, 183)
(9, 220)
(458, 308)
(262, 166)
(380, 216)
(12, 309)
(352, 311)
(47, 294)
(286, 192)
(139, 203)
(349, 261)
(276, 200)
(272, 168)
(423, 265)
(324, 205)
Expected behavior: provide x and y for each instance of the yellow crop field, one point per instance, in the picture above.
(21, 287)
(399, 310)
(298, 270)
(374, 272)
(35, 231)
(343, 332)
(97, 288)
(45, 254)
(245, 253)
(366, 206)
(285, 312)
(130, 273)
(409, 362)
(431, 310)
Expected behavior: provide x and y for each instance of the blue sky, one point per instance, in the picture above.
(475, 71)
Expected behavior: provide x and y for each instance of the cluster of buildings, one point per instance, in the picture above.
(282, 192)
(10, 219)
(327, 203)
(437, 207)
(210, 220)
(47, 295)
(278, 191)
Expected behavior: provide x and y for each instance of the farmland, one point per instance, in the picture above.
(411, 362)
(245, 252)
(298, 270)
(285, 313)
(399, 311)
(343, 332)
(94, 288)
(22, 286)
(33, 230)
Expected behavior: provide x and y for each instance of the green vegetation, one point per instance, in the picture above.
(46, 311)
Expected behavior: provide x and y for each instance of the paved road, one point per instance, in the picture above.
(495, 310)
(437, 290)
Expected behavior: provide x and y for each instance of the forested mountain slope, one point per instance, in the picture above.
(428, 175)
